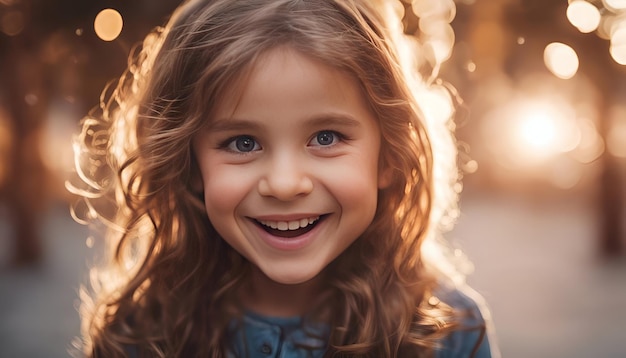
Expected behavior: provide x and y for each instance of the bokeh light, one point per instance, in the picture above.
(108, 24)
(439, 36)
(618, 42)
(442, 9)
(55, 144)
(530, 130)
(12, 22)
(561, 60)
(545, 129)
(609, 22)
(615, 4)
(583, 15)
(537, 130)
(591, 144)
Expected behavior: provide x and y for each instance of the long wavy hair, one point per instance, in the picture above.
(169, 281)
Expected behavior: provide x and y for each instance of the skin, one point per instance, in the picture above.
(298, 146)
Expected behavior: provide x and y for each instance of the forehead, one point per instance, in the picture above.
(285, 76)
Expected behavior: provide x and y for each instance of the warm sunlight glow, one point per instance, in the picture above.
(528, 131)
(108, 24)
(546, 129)
(561, 60)
(538, 131)
(436, 103)
(441, 42)
(55, 146)
(583, 15)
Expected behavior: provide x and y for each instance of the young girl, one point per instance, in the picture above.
(274, 186)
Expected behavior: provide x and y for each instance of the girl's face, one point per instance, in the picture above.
(290, 168)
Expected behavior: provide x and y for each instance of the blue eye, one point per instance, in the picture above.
(243, 144)
(325, 138)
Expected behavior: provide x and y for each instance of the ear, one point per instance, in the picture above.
(385, 173)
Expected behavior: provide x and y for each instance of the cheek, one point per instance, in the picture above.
(224, 189)
(355, 185)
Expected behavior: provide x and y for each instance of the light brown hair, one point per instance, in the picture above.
(169, 285)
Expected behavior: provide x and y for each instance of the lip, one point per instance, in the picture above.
(288, 244)
(290, 217)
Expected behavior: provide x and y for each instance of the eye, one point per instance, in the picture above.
(325, 138)
(243, 144)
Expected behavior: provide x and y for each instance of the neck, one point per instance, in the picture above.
(264, 296)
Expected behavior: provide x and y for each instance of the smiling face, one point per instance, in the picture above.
(290, 168)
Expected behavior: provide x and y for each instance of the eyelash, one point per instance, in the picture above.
(338, 137)
(230, 143)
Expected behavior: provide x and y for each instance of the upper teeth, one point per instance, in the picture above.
(289, 225)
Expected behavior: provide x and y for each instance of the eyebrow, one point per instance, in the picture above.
(233, 124)
(320, 120)
(333, 119)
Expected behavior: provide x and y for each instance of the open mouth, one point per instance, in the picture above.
(290, 229)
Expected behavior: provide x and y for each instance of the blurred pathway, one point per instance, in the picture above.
(537, 265)
(38, 315)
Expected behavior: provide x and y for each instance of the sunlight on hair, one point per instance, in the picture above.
(436, 103)
(561, 60)
(583, 15)
(441, 9)
(439, 37)
(108, 24)
(434, 23)
(434, 43)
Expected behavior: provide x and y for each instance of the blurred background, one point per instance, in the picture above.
(542, 137)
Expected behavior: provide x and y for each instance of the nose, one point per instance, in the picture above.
(286, 178)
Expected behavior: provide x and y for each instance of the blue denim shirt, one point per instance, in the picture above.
(276, 337)
(259, 336)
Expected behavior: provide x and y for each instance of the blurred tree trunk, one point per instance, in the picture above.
(25, 101)
(611, 186)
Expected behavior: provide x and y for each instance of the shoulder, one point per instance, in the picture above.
(471, 337)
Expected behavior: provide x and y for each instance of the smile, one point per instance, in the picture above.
(289, 229)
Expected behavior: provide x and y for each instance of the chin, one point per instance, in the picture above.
(291, 278)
